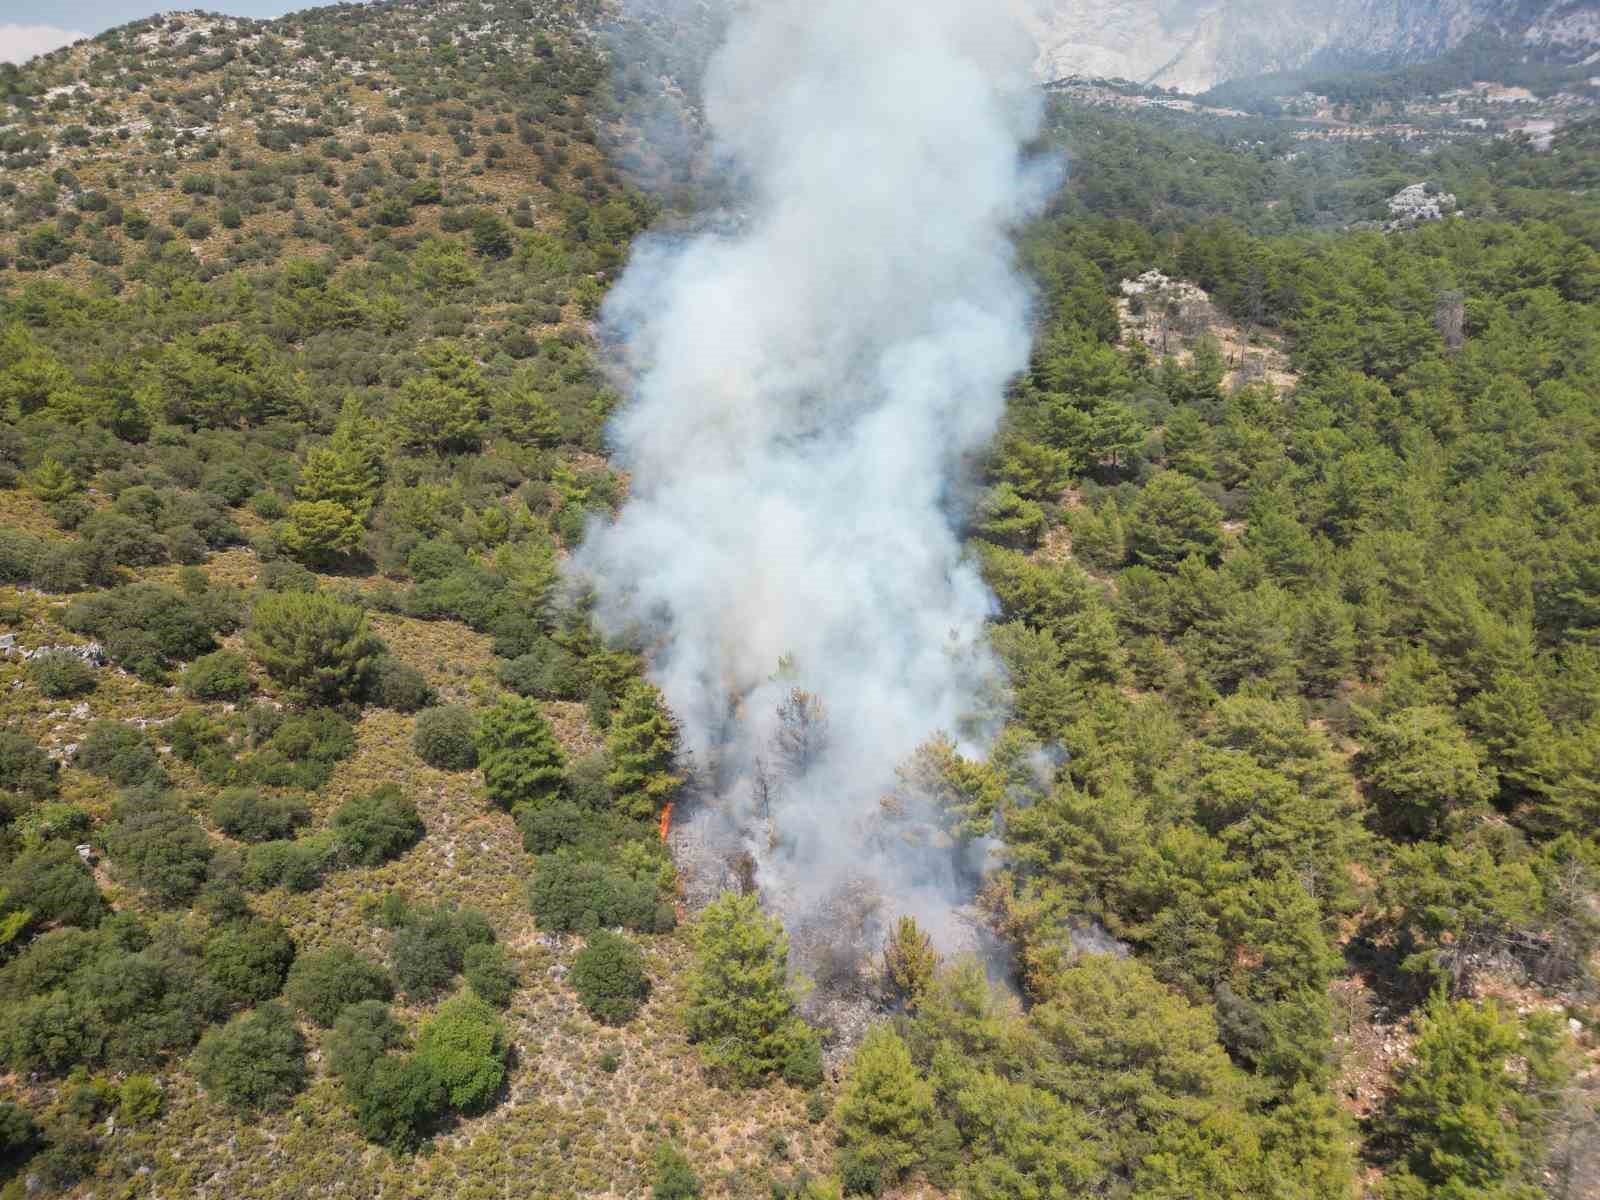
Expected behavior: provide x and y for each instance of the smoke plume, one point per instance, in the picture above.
(811, 377)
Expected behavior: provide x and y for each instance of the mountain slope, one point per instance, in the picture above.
(1193, 44)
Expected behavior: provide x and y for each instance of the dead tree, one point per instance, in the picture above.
(802, 735)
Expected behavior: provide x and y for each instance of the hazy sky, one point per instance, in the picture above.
(32, 27)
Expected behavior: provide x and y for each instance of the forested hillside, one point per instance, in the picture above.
(333, 856)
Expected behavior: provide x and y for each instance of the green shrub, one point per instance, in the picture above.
(362, 1033)
(489, 973)
(20, 1136)
(250, 816)
(464, 1047)
(297, 750)
(445, 737)
(570, 892)
(255, 1061)
(25, 768)
(158, 846)
(53, 822)
(860, 1175)
(51, 885)
(551, 827)
(398, 1100)
(547, 671)
(323, 984)
(220, 675)
(60, 674)
(183, 627)
(374, 828)
(674, 1178)
(316, 648)
(610, 978)
(118, 752)
(399, 686)
(248, 959)
(430, 946)
(297, 865)
(139, 1100)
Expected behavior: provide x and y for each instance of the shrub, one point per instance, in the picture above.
(547, 671)
(255, 1061)
(145, 625)
(60, 674)
(158, 846)
(139, 1100)
(118, 752)
(300, 749)
(554, 826)
(248, 959)
(19, 1135)
(25, 768)
(431, 944)
(50, 885)
(315, 647)
(464, 1047)
(444, 738)
(295, 865)
(569, 892)
(610, 978)
(220, 675)
(400, 686)
(489, 973)
(675, 1178)
(374, 828)
(521, 760)
(324, 984)
(362, 1033)
(250, 816)
(398, 1100)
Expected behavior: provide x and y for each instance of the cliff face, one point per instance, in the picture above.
(1195, 44)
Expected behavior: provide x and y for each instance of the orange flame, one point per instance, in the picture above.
(666, 820)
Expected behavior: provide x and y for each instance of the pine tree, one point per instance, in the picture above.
(521, 759)
(1326, 637)
(349, 469)
(909, 960)
(887, 1107)
(319, 531)
(52, 481)
(1473, 1108)
(1171, 520)
(1510, 723)
(643, 748)
(741, 1010)
(1420, 769)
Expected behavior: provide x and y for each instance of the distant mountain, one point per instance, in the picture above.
(1195, 44)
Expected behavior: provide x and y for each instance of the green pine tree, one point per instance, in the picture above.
(643, 749)
(521, 759)
(887, 1107)
(741, 1011)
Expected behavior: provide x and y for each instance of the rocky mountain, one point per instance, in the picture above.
(1195, 44)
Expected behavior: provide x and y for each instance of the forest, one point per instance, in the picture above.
(331, 827)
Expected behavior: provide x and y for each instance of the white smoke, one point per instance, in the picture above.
(810, 381)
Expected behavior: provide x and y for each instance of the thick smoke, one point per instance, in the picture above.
(810, 382)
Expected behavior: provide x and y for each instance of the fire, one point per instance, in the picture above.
(666, 820)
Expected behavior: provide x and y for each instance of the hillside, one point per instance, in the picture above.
(349, 844)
